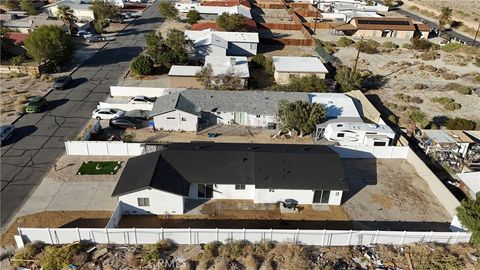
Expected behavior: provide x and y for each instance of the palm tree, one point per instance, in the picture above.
(65, 13)
(445, 17)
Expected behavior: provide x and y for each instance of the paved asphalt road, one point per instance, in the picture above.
(39, 139)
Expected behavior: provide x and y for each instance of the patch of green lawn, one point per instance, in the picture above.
(99, 167)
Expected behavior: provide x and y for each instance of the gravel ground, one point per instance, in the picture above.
(394, 196)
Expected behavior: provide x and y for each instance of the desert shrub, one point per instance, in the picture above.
(344, 42)
(449, 76)
(418, 117)
(452, 106)
(407, 46)
(462, 89)
(328, 46)
(17, 60)
(416, 100)
(29, 252)
(419, 86)
(389, 45)
(392, 119)
(421, 44)
(443, 100)
(403, 97)
(261, 249)
(289, 256)
(59, 257)
(232, 250)
(429, 56)
(460, 124)
(210, 251)
(476, 62)
(155, 251)
(368, 46)
(258, 60)
(250, 262)
(142, 65)
(458, 47)
(193, 16)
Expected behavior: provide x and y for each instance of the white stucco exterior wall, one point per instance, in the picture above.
(265, 196)
(226, 192)
(176, 120)
(161, 202)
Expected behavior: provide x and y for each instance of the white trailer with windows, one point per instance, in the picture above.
(355, 133)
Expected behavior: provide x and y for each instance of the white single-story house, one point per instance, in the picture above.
(185, 76)
(357, 133)
(162, 182)
(190, 110)
(82, 12)
(286, 66)
(210, 42)
(211, 12)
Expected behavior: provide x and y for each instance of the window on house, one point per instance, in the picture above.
(205, 191)
(379, 143)
(170, 118)
(340, 134)
(258, 116)
(240, 186)
(321, 196)
(271, 190)
(184, 119)
(143, 201)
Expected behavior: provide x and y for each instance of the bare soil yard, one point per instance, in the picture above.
(16, 90)
(389, 190)
(286, 50)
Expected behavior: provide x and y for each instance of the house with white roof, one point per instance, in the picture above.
(178, 177)
(81, 10)
(212, 12)
(191, 110)
(470, 183)
(210, 42)
(185, 76)
(286, 66)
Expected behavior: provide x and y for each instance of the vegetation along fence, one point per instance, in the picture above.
(198, 236)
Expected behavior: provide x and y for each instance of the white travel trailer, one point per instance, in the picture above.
(356, 133)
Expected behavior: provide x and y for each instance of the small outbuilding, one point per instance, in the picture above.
(287, 66)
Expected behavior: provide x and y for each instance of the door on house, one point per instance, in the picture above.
(239, 118)
(321, 196)
(205, 191)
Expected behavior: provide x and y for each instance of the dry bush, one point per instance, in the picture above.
(22, 99)
(232, 250)
(416, 100)
(188, 265)
(290, 256)
(261, 249)
(419, 86)
(80, 258)
(250, 262)
(210, 251)
(202, 265)
(429, 56)
(29, 252)
(221, 264)
(449, 76)
(133, 260)
(267, 265)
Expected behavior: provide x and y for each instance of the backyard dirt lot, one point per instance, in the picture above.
(275, 33)
(389, 190)
(57, 219)
(285, 50)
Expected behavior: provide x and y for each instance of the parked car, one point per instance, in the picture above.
(84, 33)
(36, 104)
(141, 100)
(61, 82)
(140, 114)
(126, 122)
(107, 113)
(6, 131)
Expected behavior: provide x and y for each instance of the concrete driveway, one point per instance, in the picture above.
(70, 196)
(29, 155)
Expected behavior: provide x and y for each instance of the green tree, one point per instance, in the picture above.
(103, 10)
(99, 25)
(348, 79)
(174, 49)
(193, 16)
(231, 22)
(226, 81)
(309, 83)
(168, 10)
(469, 215)
(142, 65)
(5, 43)
(65, 13)
(9, 4)
(460, 124)
(49, 43)
(26, 5)
(301, 116)
(418, 118)
(445, 17)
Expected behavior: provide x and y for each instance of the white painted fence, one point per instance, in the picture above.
(125, 106)
(129, 91)
(197, 236)
(371, 151)
(103, 148)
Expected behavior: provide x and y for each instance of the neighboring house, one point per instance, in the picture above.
(17, 39)
(82, 12)
(191, 110)
(29, 23)
(470, 183)
(287, 66)
(185, 76)
(339, 6)
(397, 27)
(357, 133)
(166, 181)
(250, 25)
(456, 141)
(238, 43)
(212, 12)
(120, 3)
(230, 3)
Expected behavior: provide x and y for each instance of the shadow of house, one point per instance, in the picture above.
(358, 177)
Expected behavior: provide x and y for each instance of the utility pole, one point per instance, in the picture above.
(476, 34)
(358, 55)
